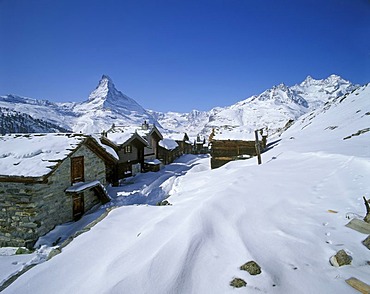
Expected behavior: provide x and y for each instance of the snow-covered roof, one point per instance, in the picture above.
(81, 186)
(168, 144)
(154, 161)
(120, 135)
(147, 132)
(237, 133)
(107, 148)
(36, 155)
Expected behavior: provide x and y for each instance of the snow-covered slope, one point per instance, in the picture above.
(288, 215)
(59, 114)
(272, 109)
(15, 122)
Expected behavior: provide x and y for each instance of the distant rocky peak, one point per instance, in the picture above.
(335, 80)
(308, 81)
(106, 82)
(331, 80)
(104, 89)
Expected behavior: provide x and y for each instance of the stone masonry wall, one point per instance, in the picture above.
(28, 211)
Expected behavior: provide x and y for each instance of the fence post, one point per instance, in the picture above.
(257, 145)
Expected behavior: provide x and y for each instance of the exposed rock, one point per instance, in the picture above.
(251, 267)
(163, 203)
(22, 250)
(54, 252)
(367, 205)
(340, 259)
(366, 242)
(238, 283)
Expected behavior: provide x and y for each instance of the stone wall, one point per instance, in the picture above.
(30, 210)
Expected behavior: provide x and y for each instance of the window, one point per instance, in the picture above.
(128, 149)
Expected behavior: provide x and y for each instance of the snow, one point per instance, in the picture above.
(120, 138)
(107, 105)
(107, 148)
(272, 108)
(34, 155)
(279, 214)
(81, 186)
(236, 133)
(168, 144)
(153, 161)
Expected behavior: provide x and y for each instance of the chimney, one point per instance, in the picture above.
(145, 125)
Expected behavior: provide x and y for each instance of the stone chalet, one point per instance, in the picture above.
(47, 180)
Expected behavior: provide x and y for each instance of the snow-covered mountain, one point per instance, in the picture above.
(104, 107)
(191, 123)
(272, 109)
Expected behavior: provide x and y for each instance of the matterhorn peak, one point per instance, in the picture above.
(104, 89)
(105, 77)
(105, 83)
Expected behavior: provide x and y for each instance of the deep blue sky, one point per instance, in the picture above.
(179, 55)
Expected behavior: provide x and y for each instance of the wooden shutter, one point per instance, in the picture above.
(77, 169)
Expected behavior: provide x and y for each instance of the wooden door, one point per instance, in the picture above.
(78, 206)
(77, 169)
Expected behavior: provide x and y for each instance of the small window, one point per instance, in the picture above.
(128, 149)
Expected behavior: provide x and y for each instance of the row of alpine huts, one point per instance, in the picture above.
(50, 179)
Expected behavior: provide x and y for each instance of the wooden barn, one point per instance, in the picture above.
(47, 180)
(238, 147)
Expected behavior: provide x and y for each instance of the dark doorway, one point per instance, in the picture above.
(78, 206)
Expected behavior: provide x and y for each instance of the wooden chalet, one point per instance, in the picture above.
(200, 146)
(152, 135)
(239, 147)
(47, 180)
(169, 150)
(185, 145)
(129, 146)
(136, 146)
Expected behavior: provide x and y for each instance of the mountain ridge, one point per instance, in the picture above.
(106, 105)
(271, 109)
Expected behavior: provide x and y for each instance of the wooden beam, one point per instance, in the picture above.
(358, 285)
(258, 151)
